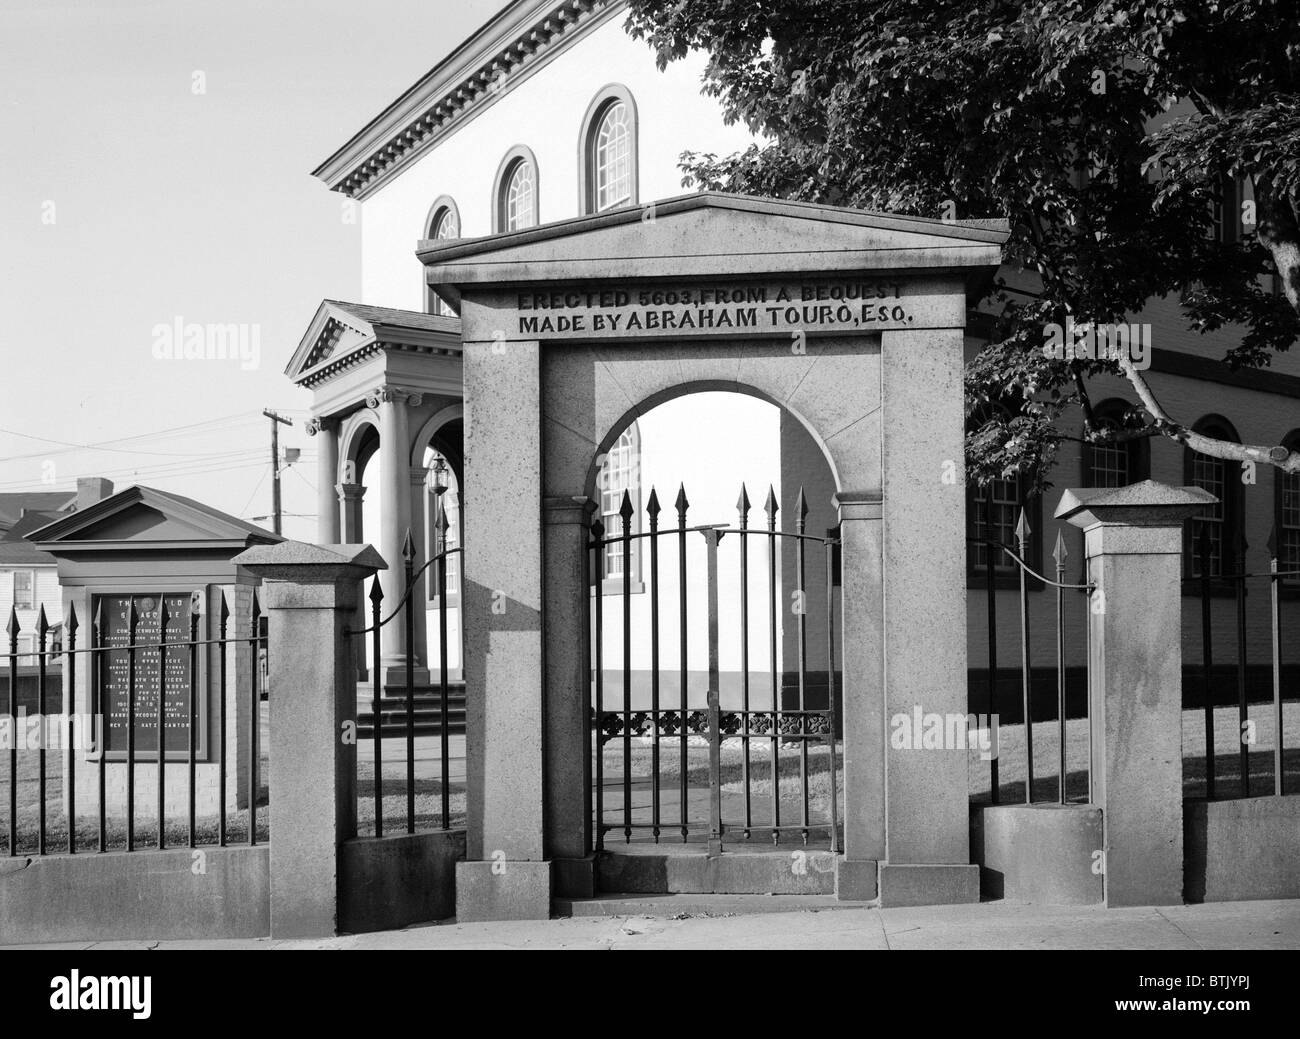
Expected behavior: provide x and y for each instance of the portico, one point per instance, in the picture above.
(385, 384)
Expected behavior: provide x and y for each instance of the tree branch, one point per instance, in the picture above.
(1286, 460)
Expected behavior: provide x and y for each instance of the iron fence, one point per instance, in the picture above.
(776, 727)
(120, 666)
(1206, 584)
(1018, 556)
(406, 608)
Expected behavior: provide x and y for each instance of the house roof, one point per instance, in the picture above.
(146, 516)
(513, 44)
(343, 333)
(13, 505)
(716, 234)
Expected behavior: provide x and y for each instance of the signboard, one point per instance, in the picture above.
(161, 675)
(783, 309)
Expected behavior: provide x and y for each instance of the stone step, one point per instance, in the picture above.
(677, 907)
(650, 871)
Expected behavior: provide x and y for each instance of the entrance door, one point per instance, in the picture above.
(714, 722)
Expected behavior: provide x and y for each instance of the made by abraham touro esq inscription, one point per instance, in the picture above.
(153, 674)
(823, 306)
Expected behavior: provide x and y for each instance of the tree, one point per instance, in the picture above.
(1104, 130)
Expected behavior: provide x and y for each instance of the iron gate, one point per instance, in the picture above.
(652, 731)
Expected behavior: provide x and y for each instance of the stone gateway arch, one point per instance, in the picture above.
(853, 322)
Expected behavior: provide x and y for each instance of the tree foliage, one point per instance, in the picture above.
(1104, 131)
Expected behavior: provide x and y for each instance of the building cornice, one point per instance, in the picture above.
(496, 59)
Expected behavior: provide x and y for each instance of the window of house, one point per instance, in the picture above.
(995, 513)
(444, 225)
(620, 474)
(1114, 464)
(609, 152)
(518, 198)
(24, 589)
(1287, 493)
(1219, 523)
(613, 159)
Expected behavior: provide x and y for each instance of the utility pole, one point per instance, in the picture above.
(276, 421)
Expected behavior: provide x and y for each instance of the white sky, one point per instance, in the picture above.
(169, 204)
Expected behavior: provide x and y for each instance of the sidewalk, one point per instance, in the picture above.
(992, 925)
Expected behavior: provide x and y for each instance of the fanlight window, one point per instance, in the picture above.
(519, 197)
(446, 226)
(613, 158)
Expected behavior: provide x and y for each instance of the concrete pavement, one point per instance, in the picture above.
(990, 925)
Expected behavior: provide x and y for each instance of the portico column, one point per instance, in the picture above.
(349, 497)
(325, 432)
(863, 693)
(395, 512)
(419, 495)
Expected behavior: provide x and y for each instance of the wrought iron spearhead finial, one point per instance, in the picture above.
(625, 509)
(801, 508)
(1059, 553)
(770, 506)
(1023, 529)
(13, 628)
(408, 548)
(42, 625)
(742, 504)
(652, 507)
(682, 504)
(376, 590)
(72, 624)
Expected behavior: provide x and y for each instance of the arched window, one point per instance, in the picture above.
(1286, 496)
(620, 473)
(1220, 523)
(442, 224)
(516, 195)
(608, 152)
(1115, 464)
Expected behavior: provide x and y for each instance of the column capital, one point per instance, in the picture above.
(576, 509)
(350, 491)
(319, 423)
(1145, 504)
(386, 394)
(859, 505)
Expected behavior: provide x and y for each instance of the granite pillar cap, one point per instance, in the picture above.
(311, 564)
(1145, 504)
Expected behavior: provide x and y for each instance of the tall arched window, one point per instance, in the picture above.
(516, 205)
(1286, 495)
(620, 473)
(442, 224)
(608, 152)
(1220, 523)
(1115, 464)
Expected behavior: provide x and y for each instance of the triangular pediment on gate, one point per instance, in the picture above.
(144, 517)
(341, 334)
(711, 234)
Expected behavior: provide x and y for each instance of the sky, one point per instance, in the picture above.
(155, 171)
